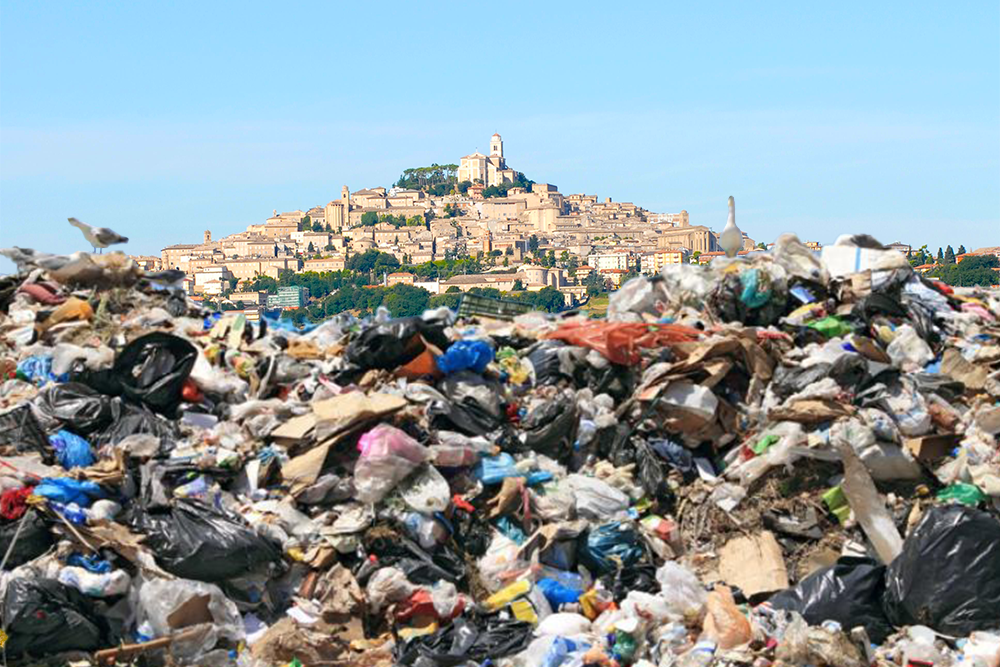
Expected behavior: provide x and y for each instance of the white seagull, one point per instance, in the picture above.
(731, 238)
(99, 237)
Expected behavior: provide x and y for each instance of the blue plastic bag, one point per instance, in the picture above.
(72, 451)
(90, 563)
(756, 292)
(560, 651)
(556, 593)
(606, 548)
(494, 469)
(38, 370)
(66, 490)
(465, 355)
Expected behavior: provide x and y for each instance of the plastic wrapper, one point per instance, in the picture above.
(946, 576)
(196, 541)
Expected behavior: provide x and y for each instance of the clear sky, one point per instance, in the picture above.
(161, 120)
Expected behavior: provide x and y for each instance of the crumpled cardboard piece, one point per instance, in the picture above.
(810, 411)
(338, 414)
(954, 365)
(755, 564)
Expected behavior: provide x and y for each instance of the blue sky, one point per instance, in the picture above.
(161, 120)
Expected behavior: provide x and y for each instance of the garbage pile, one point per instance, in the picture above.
(779, 459)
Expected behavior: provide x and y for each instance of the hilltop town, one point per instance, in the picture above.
(447, 229)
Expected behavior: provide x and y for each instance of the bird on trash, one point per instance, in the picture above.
(731, 238)
(99, 237)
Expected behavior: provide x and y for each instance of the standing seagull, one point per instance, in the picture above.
(99, 237)
(731, 238)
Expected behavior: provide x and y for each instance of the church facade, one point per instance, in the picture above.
(488, 170)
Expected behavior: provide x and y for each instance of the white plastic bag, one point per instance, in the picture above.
(426, 491)
(681, 590)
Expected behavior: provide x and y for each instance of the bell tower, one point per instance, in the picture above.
(496, 146)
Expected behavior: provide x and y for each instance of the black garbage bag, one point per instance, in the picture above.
(196, 541)
(947, 576)
(75, 406)
(553, 361)
(550, 428)
(474, 405)
(849, 592)
(678, 457)
(42, 617)
(135, 420)
(472, 531)
(652, 474)
(465, 640)
(615, 380)
(34, 540)
(394, 343)
(640, 577)
(150, 370)
(419, 566)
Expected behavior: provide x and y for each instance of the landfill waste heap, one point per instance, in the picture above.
(786, 458)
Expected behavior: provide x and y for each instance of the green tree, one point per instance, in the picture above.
(440, 178)
(518, 286)
(564, 257)
(263, 284)
(451, 211)
(306, 224)
(406, 300)
(310, 249)
(463, 187)
(386, 263)
(550, 259)
(572, 265)
(961, 249)
(317, 226)
(369, 219)
(452, 290)
(761, 246)
(949, 256)
(974, 270)
(533, 243)
(448, 300)
(940, 256)
(416, 221)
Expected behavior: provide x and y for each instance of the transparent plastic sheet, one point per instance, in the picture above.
(159, 603)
